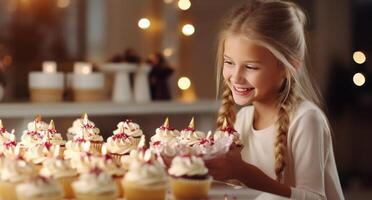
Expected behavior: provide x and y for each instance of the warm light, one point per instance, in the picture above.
(144, 23)
(188, 29)
(168, 52)
(359, 57)
(359, 79)
(168, 1)
(82, 68)
(184, 83)
(63, 3)
(184, 4)
(49, 67)
(7, 60)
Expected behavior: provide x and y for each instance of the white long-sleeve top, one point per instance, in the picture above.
(310, 164)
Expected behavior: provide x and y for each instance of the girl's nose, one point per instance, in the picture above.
(237, 75)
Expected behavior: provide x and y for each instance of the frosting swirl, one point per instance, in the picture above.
(121, 144)
(146, 173)
(95, 182)
(130, 128)
(57, 168)
(39, 187)
(187, 166)
(16, 170)
(38, 153)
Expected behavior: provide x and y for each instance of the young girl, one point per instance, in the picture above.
(287, 147)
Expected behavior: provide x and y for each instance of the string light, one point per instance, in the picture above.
(184, 83)
(144, 23)
(63, 3)
(188, 29)
(168, 52)
(359, 79)
(168, 1)
(359, 57)
(184, 4)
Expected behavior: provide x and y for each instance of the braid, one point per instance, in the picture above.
(281, 139)
(227, 109)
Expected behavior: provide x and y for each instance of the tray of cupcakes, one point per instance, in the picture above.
(42, 165)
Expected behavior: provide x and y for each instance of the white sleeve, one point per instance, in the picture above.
(308, 152)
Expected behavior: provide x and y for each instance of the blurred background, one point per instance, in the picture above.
(180, 36)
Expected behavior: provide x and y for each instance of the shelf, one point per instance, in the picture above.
(66, 109)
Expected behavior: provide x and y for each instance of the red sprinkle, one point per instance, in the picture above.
(189, 129)
(120, 136)
(164, 128)
(48, 145)
(157, 143)
(8, 144)
(229, 130)
(2, 130)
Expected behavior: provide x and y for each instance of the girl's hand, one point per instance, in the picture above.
(225, 167)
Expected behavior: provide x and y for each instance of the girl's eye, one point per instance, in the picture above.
(227, 62)
(250, 67)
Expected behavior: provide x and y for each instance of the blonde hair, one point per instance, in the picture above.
(279, 27)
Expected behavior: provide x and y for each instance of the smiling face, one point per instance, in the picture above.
(252, 72)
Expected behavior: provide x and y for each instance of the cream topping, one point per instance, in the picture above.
(38, 153)
(121, 144)
(57, 168)
(39, 187)
(16, 171)
(130, 128)
(94, 182)
(146, 173)
(187, 166)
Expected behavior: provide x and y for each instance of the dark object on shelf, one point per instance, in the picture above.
(158, 77)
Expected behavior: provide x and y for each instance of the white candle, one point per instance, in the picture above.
(82, 68)
(49, 67)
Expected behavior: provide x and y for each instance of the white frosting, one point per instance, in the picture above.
(16, 171)
(89, 132)
(52, 136)
(74, 147)
(130, 128)
(146, 173)
(46, 80)
(165, 135)
(9, 149)
(38, 153)
(218, 134)
(76, 125)
(94, 183)
(187, 166)
(121, 144)
(190, 137)
(6, 136)
(39, 187)
(57, 168)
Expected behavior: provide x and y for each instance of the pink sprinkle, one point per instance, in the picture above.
(120, 136)
(229, 130)
(2, 130)
(8, 144)
(164, 128)
(157, 143)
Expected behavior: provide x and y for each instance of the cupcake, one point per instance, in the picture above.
(52, 136)
(113, 168)
(226, 131)
(39, 188)
(189, 178)
(14, 172)
(129, 128)
(190, 135)
(10, 149)
(145, 179)
(38, 153)
(89, 132)
(120, 144)
(76, 125)
(75, 147)
(95, 185)
(5, 135)
(33, 134)
(165, 133)
(61, 171)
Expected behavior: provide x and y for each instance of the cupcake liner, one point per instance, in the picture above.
(116, 157)
(189, 188)
(66, 185)
(138, 192)
(96, 147)
(119, 186)
(107, 196)
(8, 191)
